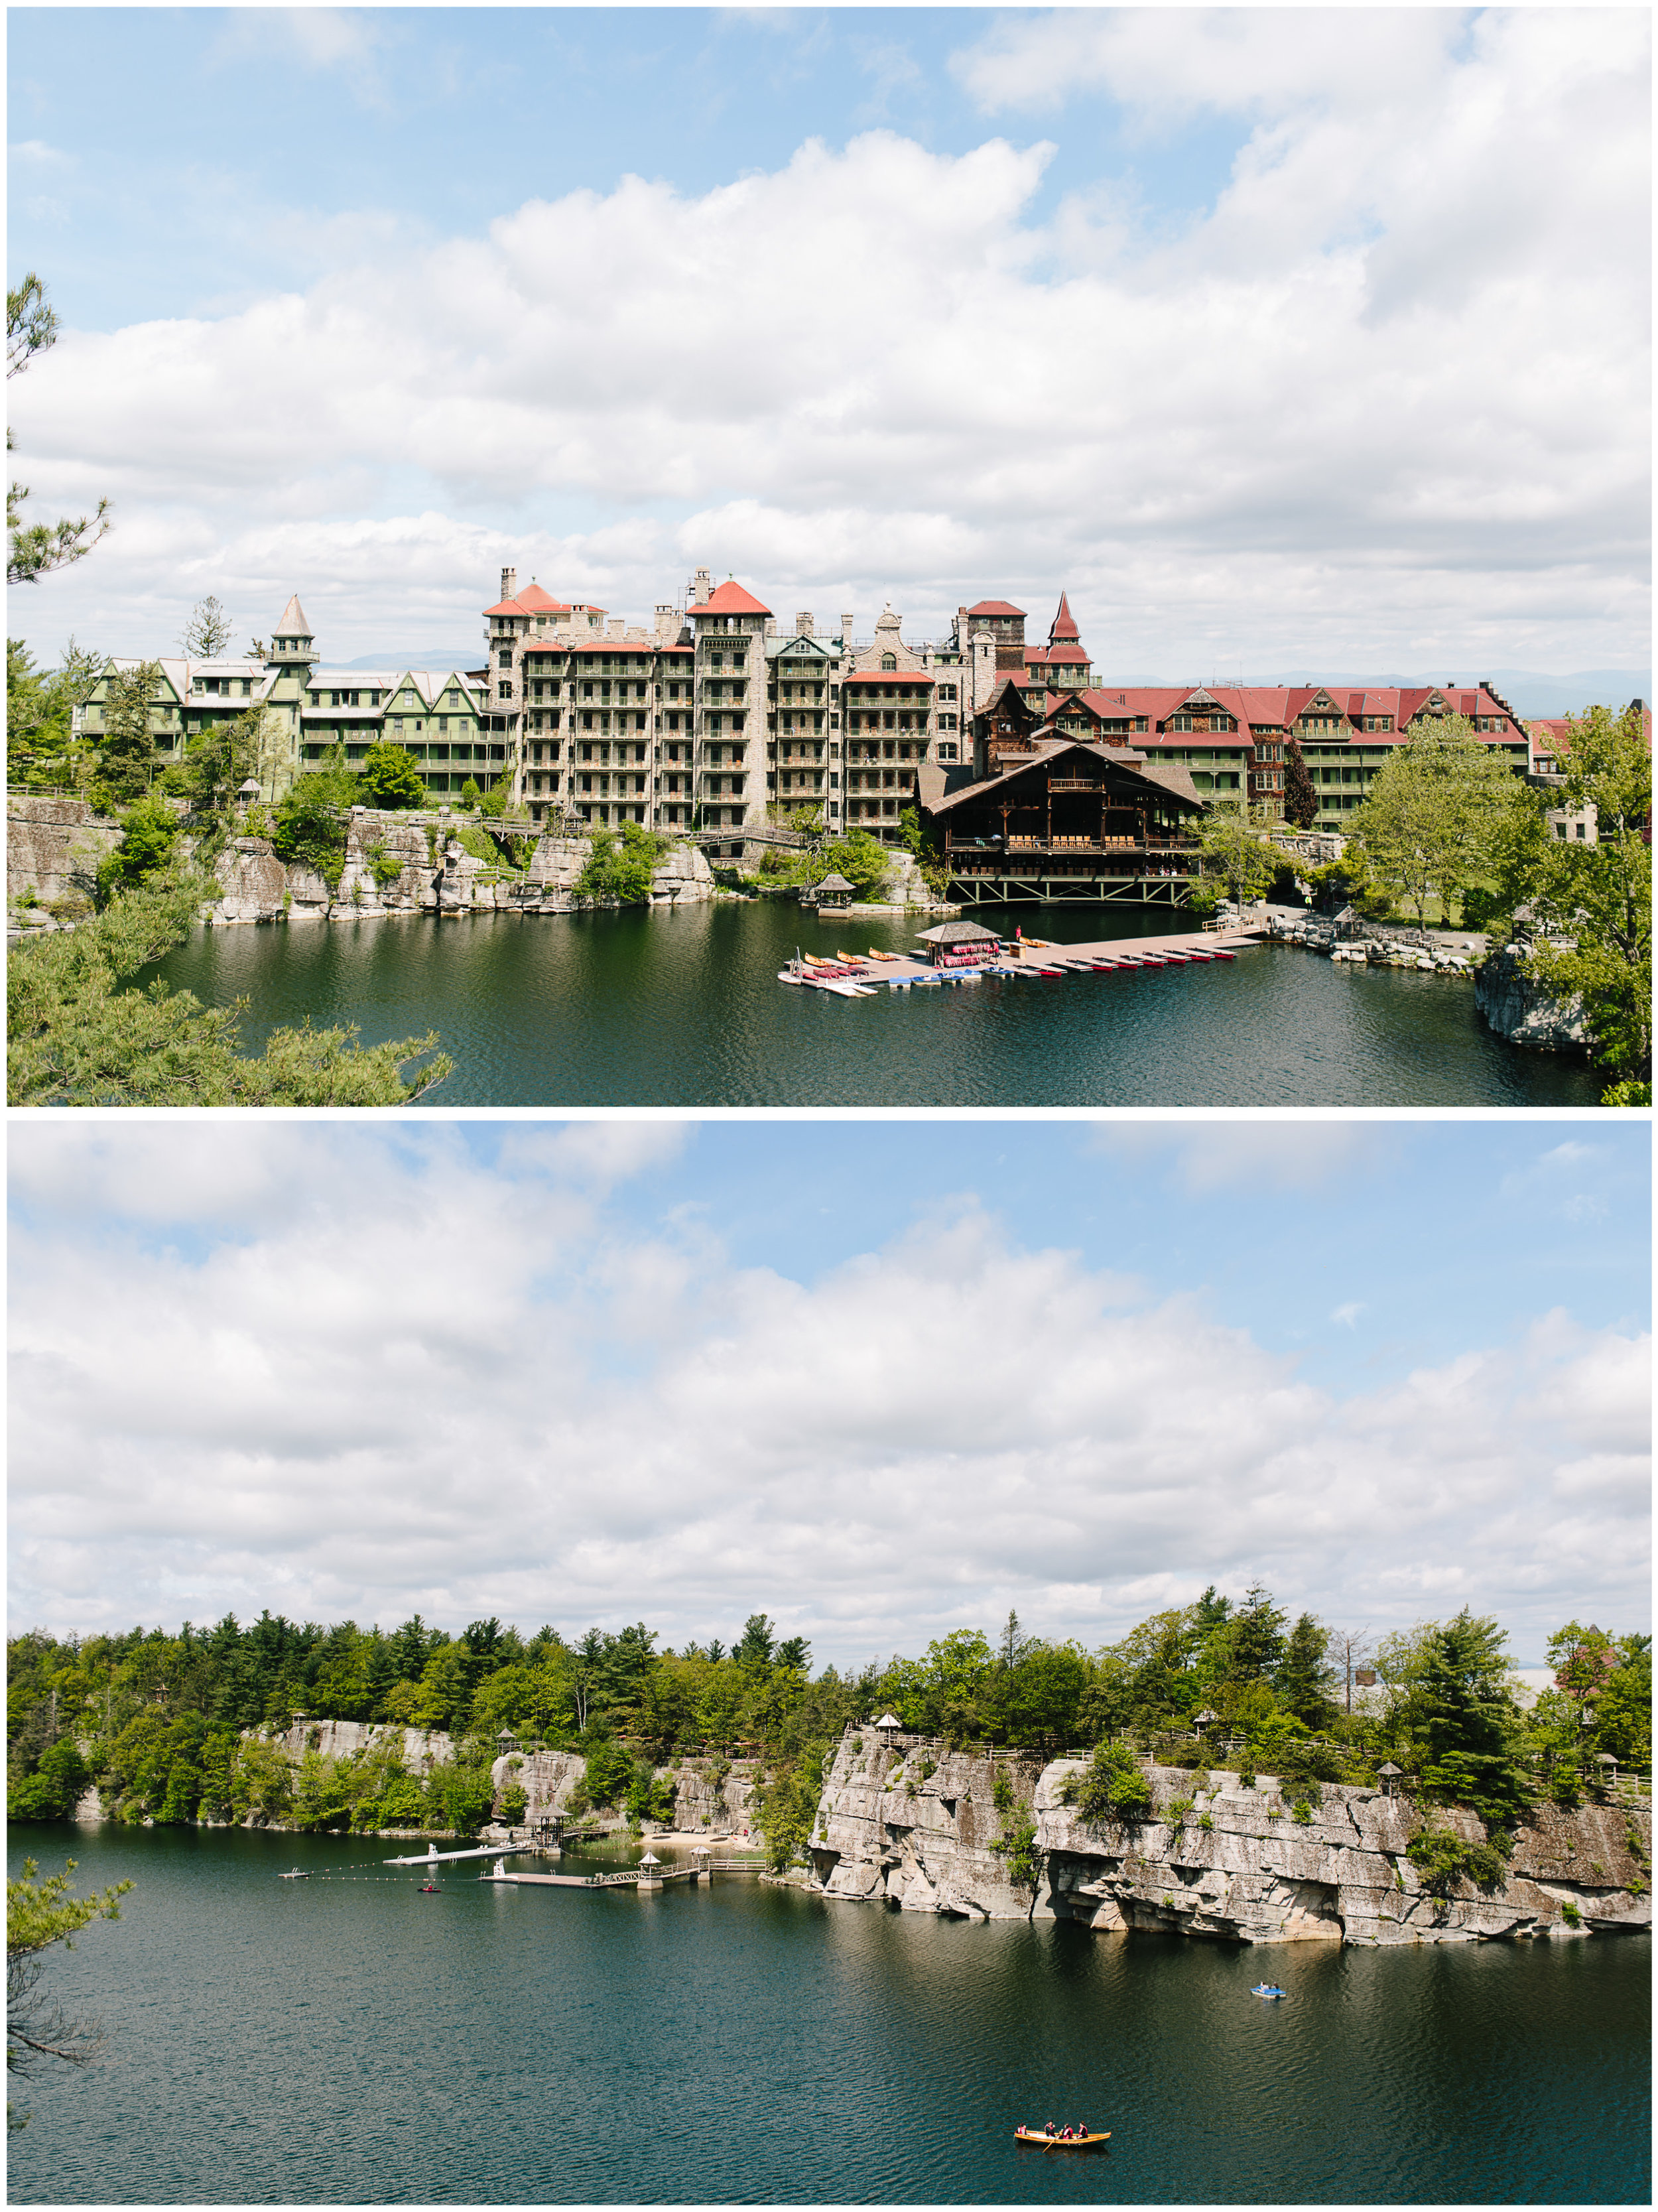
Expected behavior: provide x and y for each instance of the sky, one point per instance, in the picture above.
(876, 1378)
(1284, 341)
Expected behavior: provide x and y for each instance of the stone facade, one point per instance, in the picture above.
(889, 1830)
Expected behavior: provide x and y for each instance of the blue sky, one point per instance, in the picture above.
(879, 1378)
(860, 305)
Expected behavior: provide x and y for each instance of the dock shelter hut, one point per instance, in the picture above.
(836, 890)
(960, 944)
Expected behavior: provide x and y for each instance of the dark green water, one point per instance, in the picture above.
(635, 1009)
(349, 2040)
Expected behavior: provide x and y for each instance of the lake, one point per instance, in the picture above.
(346, 2039)
(633, 1008)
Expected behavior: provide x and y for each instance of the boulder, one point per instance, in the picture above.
(1522, 1010)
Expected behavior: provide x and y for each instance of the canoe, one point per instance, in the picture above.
(1061, 2142)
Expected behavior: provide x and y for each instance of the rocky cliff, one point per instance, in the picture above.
(436, 875)
(710, 1797)
(1521, 1009)
(912, 1825)
(53, 846)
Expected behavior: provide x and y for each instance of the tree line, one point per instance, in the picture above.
(159, 1720)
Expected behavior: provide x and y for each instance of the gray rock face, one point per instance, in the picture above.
(253, 883)
(420, 1747)
(1519, 1008)
(704, 1799)
(888, 1829)
(53, 846)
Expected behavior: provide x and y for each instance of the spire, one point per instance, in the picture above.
(292, 624)
(1064, 631)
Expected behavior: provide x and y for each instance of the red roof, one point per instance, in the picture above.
(1063, 625)
(891, 676)
(729, 600)
(995, 607)
(507, 607)
(1055, 656)
(535, 601)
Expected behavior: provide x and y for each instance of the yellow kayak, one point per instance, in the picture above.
(1060, 2143)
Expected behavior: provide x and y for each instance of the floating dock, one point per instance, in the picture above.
(860, 975)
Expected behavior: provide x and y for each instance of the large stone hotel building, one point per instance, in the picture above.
(715, 718)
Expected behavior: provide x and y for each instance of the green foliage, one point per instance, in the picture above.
(36, 548)
(1430, 819)
(1111, 1788)
(310, 831)
(1236, 851)
(390, 778)
(41, 1914)
(149, 831)
(493, 802)
(514, 1804)
(609, 1770)
(1305, 1679)
(1570, 1912)
(126, 750)
(385, 867)
(77, 1037)
(1627, 1094)
(1300, 797)
(1597, 896)
(41, 751)
(1442, 1860)
(620, 872)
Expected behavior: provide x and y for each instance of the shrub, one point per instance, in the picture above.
(929, 1768)
(514, 1805)
(1301, 1812)
(386, 867)
(149, 831)
(308, 833)
(1571, 1915)
(1206, 1824)
(390, 778)
(1178, 1808)
(1442, 1859)
(620, 872)
(1246, 1780)
(1111, 1787)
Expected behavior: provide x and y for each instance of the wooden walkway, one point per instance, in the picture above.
(1049, 963)
(629, 1877)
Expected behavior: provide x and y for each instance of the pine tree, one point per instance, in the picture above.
(1300, 798)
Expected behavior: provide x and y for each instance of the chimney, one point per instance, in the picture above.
(700, 587)
(846, 631)
(667, 625)
(616, 626)
(804, 626)
(509, 583)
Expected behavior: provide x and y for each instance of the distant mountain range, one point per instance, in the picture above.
(1526, 690)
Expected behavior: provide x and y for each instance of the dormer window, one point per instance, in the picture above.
(888, 660)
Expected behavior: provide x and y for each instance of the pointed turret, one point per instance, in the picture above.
(1064, 631)
(292, 639)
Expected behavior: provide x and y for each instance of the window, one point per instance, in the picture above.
(888, 660)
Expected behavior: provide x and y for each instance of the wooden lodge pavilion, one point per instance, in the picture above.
(1039, 815)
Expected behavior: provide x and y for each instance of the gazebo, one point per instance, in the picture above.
(889, 1725)
(836, 890)
(960, 943)
(648, 1876)
(1386, 1774)
(1205, 1719)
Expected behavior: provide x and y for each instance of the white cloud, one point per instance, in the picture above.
(1243, 1154)
(1348, 1315)
(419, 1383)
(1388, 400)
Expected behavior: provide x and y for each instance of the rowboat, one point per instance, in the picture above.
(1267, 1989)
(1060, 2143)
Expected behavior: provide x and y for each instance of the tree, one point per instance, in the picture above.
(390, 778)
(126, 752)
(39, 1914)
(1300, 797)
(150, 830)
(1253, 1647)
(77, 1038)
(207, 632)
(39, 713)
(34, 549)
(218, 759)
(1460, 1710)
(620, 873)
(1305, 1676)
(1431, 821)
(1235, 849)
(1588, 907)
(308, 831)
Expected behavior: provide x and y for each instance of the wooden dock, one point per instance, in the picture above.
(1050, 962)
(627, 1877)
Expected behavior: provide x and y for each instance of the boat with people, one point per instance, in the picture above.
(1269, 1990)
(1080, 2137)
